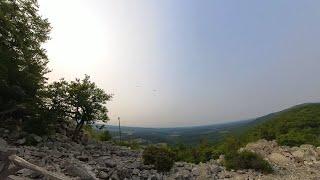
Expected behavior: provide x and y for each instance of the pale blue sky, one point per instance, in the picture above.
(183, 62)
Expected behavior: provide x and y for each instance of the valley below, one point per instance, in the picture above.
(179, 135)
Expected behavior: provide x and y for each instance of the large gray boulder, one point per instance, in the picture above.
(262, 147)
(279, 159)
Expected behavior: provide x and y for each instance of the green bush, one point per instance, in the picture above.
(98, 135)
(105, 136)
(246, 160)
(200, 153)
(161, 157)
(131, 144)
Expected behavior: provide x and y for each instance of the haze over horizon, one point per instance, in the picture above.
(177, 63)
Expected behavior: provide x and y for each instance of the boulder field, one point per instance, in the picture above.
(104, 160)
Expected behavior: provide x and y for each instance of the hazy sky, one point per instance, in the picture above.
(183, 63)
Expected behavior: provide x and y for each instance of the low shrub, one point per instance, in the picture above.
(105, 136)
(161, 157)
(99, 135)
(131, 144)
(246, 160)
(203, 152)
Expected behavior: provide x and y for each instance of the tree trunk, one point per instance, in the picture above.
(77, 130)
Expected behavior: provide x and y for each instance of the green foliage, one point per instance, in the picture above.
(204, 151)
(131, 144)
(201, 153)
(98, 135)
(293, 127)
(38, 125)
(80, 100)
(105, 136)
(161, 157)
(22, 59)
(87, 100)
(23, 64)
(183, 153)
(230, 145)
(246, 160)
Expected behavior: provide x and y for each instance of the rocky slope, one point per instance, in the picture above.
(103, 160)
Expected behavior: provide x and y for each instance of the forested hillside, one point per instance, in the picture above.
(291, 127)
(295, 126)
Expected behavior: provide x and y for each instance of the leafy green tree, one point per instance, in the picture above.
(80, 100)
(56, 101)
(231, 144)
(23, 62)
(87, 102)
(99, 135)
(23, 65)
